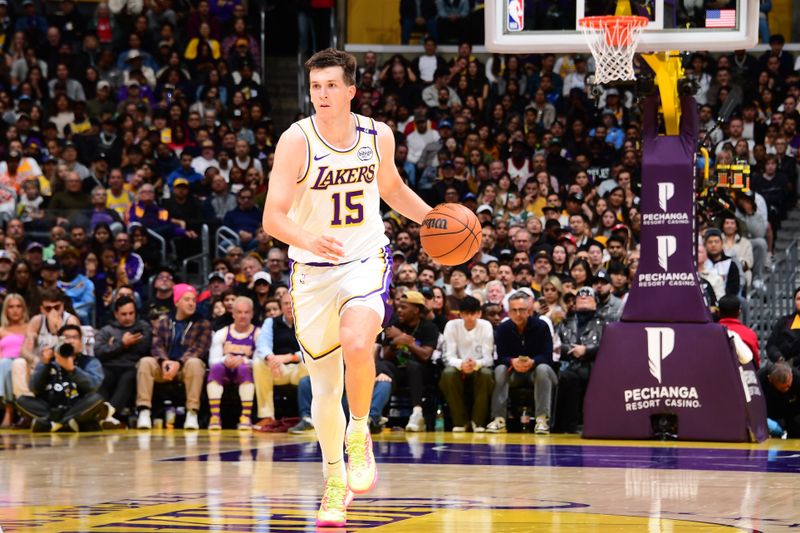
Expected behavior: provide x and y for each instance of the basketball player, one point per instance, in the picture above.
(330, 172)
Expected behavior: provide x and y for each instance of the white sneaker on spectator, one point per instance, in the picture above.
(498, 425)
(541, 427)
(459, 429)
(478, 429)
(416, 422)
(191, 420)
(144, 422)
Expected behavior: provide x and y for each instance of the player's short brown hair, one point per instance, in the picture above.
(330, 57)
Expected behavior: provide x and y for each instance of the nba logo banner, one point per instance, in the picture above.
(516, 15)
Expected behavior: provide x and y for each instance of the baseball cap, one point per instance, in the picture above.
(398, 253)
(612, 92)
(216, 276)
(505, 252)
(448, 163)
(619, 227)
(576, 197)
(541, 254)
(445, 124)
(469, 196)
(586, 291)
(413, 297)
(103, 84)
(601, 277)
(484, 208)
(180, 181)
(237, 113)
(262, 276)
(549, 208)
(133, 83)
(34, 246)
(6, 255)
(51, 264)
(420, 116)
(133, 54)
(712, 232)
(568, 237)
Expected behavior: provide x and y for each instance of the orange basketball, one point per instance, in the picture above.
(451, 234)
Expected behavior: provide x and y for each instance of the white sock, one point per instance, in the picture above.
(417, 409)
(327, 415)
(336, 469)
(358, 424)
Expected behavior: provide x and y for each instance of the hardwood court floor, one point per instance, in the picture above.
(175, 481)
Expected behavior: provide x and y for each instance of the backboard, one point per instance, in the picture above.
(537, 26)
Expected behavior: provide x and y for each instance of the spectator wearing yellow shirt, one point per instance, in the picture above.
(117, 198)
(205, 35)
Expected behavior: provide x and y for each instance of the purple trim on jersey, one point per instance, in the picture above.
(328, 264)
(383, 290)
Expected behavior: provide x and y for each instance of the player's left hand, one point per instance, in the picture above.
(327, 247)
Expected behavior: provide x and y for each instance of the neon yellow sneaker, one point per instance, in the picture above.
(333, 509)
(362, 472)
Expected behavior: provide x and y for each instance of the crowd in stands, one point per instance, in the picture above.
(124, 126)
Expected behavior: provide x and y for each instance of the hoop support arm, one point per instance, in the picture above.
(668, 69)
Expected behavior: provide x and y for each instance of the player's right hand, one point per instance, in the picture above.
(327, 247)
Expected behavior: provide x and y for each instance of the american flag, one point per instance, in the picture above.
(720, 18)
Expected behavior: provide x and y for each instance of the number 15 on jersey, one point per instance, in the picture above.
(350, 202)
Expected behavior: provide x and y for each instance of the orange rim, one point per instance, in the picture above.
(617, 29)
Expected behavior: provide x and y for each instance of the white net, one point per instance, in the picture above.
(613, 41)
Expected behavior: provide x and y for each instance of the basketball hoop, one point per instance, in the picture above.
(613, 40)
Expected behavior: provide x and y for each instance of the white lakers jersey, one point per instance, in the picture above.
(337, 194)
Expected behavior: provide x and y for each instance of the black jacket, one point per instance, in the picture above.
(784, 342)
(108, 347)
(535, 341)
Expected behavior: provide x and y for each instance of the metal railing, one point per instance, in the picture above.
(162, 244)
(224, 238)
(203, 259)
(776, 299)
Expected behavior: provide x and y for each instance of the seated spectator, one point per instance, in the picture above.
(723, 265)
(161, 304)
(13, 325)
(468, 357)
(277, 361)
(524, 358)
(180, 343)
(71, 201)
(119, 346)
(580, 337)
(609, 307)
(784, 341)
(185, 171)
(220, 202)
(245, 219)
(451, 19)
(65, 384)
(42, 332)
(76, 286)
(781, 385)
(408, 346)
(231, 360)
(419, 15)
(150, 215)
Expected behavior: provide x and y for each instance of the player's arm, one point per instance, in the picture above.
(283, 182)
(393, 190)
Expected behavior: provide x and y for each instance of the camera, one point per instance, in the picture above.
(65, 349)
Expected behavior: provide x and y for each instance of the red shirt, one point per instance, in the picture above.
(748, 336)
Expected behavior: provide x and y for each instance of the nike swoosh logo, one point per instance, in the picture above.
(320, 157)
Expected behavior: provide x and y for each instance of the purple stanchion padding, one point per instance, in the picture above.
(666, 356)
(666, 287)
(684, 369)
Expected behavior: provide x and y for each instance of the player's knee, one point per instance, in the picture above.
(356, 344)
